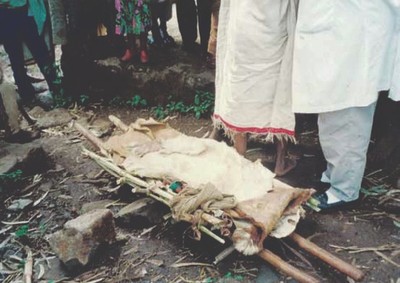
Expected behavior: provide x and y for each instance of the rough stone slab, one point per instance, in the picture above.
(48, 119)
(141, 214)
(76, 244)
(20, 204)
(29, 157)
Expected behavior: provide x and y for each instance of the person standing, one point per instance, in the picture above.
(187, 14)
(344, 55)
(134, 22)
(22, 21)
(253, 75)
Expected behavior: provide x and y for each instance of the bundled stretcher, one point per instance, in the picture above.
(208, 184)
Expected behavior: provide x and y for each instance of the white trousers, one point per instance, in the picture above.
(344, 136)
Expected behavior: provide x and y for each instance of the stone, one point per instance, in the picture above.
(20, 204)
(101, 204)
(142, 213)
(81, 237)
(53, 118)
(23, 156)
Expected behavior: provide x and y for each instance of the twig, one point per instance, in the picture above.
(387, 259)
(186, 264)
(211, 234)
(28, 266)
(354, 249)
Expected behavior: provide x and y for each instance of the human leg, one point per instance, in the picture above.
(144, 55)
(187, 22)
(11, 31)
(283, 165)
(38, 48)
(204, 14)
(130, 48)
(344, 137)
(240, 142)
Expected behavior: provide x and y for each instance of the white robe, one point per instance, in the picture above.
(345, 54)
(254, 67)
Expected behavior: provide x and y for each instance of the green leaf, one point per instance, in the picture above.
(22, 231)
(396, 223)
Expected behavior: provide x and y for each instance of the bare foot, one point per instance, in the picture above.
(282, 164)
(285, 166)
(240, 143)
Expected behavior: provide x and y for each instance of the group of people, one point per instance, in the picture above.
(277, 58)
(135, 18)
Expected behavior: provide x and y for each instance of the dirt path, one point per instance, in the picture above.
(147, 255)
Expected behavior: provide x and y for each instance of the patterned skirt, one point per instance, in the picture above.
(133, 17)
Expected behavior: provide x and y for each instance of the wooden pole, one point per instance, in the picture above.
(327, 257)
(92, 138)
(286, 268)
(118, 123)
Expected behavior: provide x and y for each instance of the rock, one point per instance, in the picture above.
(53, 118)
(23, 156)
(81, 237)
(141, 214)
(20, 204)
(53, 271)
(7, 163)
(101, 204)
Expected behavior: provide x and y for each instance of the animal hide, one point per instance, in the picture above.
(153, 150)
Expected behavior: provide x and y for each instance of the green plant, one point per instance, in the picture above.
(13, 176)
(136, 101)
(83, 100)
(177, 107)
(203, 103)
(159, 112)
(22, 231)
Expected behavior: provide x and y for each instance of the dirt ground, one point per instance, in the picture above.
(366, 234)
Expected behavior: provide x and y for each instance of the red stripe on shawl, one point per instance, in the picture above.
(255, 129)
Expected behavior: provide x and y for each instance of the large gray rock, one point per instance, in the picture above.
(76, 244)
(29, 157)
(53, 118)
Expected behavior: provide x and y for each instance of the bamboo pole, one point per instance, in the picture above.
(28, 266)
(114, 168)
(208, 232)
(327, 257)
(286, 268)
(92, 138)
(118, 123)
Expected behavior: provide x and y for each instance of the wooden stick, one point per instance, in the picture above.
(107, 165)
(286, 268)
(211, 234)
(118, 123)
(327, 257)
(28, 266)
(92, 138)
